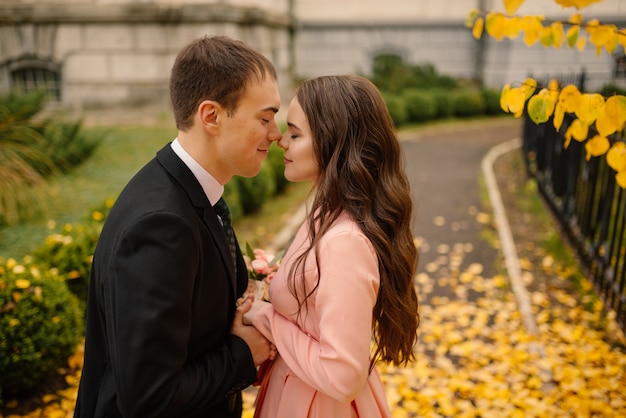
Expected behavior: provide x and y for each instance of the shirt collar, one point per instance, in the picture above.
(212, 188)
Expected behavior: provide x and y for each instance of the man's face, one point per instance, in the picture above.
(246, 135)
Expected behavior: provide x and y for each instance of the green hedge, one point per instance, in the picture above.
(491, 98)
(397, 108)
(247, 195)
(468, 102)
(422, 105)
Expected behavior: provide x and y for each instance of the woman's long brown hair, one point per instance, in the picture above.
(361, 172)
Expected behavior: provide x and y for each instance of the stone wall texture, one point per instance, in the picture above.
(119, 52)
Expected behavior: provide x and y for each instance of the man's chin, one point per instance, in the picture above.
(252, 172)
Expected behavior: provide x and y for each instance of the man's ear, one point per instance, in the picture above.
(208, 112)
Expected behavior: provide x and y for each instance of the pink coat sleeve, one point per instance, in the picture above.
(338, 363)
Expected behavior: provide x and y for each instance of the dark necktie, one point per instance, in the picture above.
(221, 208)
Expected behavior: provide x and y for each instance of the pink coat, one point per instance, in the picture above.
(323, 367)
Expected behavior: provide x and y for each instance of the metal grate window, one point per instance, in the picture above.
(41, 77)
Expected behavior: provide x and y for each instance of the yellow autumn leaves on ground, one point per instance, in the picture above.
(476, 359)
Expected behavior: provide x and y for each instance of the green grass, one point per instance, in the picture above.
(124, 151)
(71, 198)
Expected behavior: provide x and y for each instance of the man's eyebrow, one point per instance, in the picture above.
(270, 109)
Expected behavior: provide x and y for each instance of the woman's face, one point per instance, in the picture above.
(297, 141)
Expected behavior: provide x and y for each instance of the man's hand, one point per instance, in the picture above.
(258, 344)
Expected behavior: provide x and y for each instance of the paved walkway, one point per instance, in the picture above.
(444, 167)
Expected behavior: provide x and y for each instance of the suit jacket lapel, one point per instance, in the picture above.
(177, 169)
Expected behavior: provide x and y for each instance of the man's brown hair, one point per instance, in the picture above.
(213, 68)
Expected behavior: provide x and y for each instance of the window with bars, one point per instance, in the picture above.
(36, 75)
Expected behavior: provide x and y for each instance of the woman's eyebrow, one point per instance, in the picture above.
(294, 126)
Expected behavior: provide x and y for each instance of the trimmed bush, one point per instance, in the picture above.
(420, 105)
(491, 98)
(397, 108)
(276, 161)
(40, 324)
(444, 102)
(254, 191)
(468, 103)
(609, 90)
(232, 196)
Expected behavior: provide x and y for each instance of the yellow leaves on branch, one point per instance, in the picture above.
(589, 108)
(609, 116)
(550, 34)
(579, 4)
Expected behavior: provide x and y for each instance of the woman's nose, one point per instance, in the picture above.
(282, 142)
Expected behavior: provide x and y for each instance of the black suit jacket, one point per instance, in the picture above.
(161, 304)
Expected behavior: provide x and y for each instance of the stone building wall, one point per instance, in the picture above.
(115, 53)
(343, 37)
(119, 52)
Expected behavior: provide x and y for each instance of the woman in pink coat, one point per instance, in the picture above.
(343, 297)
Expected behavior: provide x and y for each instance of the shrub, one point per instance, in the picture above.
(420, 105)
(254, 191)
(609, 90)
(40, 324)
(232, 196)
(444, 102)
(276, 161)
(32, 148)
(66, 145)
(70, 253)
(468, 102)
(491, 98)
(390, 73)
(397, 108)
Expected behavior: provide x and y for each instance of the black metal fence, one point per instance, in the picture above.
(588, 203)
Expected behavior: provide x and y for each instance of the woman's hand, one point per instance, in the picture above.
(248, 316)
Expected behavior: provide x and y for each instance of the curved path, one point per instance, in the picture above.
(451, 215)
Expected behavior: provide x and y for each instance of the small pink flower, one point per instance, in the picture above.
(260, 272)
(260, 266)
(259, 254)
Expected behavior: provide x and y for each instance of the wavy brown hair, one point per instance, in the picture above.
(361, 172)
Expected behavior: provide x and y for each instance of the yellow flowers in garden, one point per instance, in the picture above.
(608, 116)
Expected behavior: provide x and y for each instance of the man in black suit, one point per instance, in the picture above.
(164, 337)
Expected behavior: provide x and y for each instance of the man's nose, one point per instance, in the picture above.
(275, 134)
